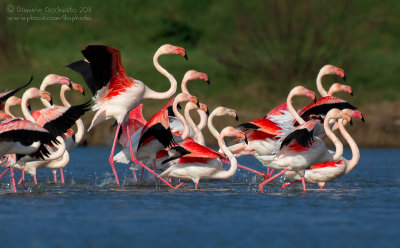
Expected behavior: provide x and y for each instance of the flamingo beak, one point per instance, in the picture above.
(237, 117)
(185, 56)
(351, 93)
(344, 78)
(245, 139)
(208, 112)
(195, 101)
(46, 95)
(28, 106)
(181, 51)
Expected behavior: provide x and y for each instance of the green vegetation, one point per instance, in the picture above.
(253, 51)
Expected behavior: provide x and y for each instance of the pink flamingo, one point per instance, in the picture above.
(300, 149)
(192, 161)
(322, 172)
(116, 92)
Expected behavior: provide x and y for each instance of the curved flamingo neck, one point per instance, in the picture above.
(210, 125)
(199, 136)
(320, 87)
(178, 115)
(184, 88)
(60, 150)
(292, 111)
(338, 145)
(25, 110)
(79, 123)
(203, 119)
(352, 163)
(149, 93)
(7, 108)
(232, 159)
(43, 86)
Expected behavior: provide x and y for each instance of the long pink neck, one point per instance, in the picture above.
(178, 115)
(338, 145)
(43, 86)
(79, 123)
(352, 163)
(232, 169)
(203, 119)
(25, 110)
(151, 94)
(199, 136)
(321, 88)
(292, 110)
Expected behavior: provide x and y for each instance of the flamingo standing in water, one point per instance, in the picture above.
(322, 172)
(192, 161)
(300, 149)
(71, 139)
(116, 92)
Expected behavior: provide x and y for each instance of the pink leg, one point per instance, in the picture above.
(133, 158)
(304, 183)
(22, 177)
(111, 158)
(265, 176)
(179, 185)
(13, 180)
(4, 172)
(134, 175)
(270, 174)
(34, 179)
(141, 174)
(268, 171)
(62, 176)
(289, 183)
(55, 176)
(261, 186)
(195, 186)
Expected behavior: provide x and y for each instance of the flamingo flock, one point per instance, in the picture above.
(170, 145)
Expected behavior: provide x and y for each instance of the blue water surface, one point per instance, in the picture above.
(361, 209)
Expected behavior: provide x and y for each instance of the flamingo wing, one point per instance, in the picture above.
(278, 110)
(59, 119)
(5, 95)
(159, 132)
(26, 132)
(323, 105)
(302, 135)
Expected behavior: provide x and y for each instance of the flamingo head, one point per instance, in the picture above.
(78, 87)
(233, 132)
(353, 113)
(204, 108)
(333, 70)
(222, 111)
(183, 97)
(53, 79)
(337, 87)
(194, 75)
(300, 90)
(170, 49)
(46, 95)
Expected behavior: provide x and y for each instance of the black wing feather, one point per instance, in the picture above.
(83, 68)
(60, 125)
(180, 153)
(163, 135)
(12, 92)
(304, 137)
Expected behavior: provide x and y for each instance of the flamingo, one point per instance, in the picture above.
(13, 101)
(116, 92)
(300, 149)
(71, 139)
(337, 87)
(192, 161)
(322, 172)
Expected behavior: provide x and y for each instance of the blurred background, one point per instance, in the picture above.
(253, 51)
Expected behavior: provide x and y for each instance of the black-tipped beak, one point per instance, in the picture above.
(315, 100)
(245, 140)
(237, 117)
(351, 122)
(208, 81)
(83, 92)
(208, 113)
(186, 57)
(51, 101)
(344, 78)
(362, 118)
(70, 84)
(198, 104)
(351, 94)
(29, 107)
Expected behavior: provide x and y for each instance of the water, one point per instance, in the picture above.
(361, 209)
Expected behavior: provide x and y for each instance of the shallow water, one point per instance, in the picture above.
(361, 209)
